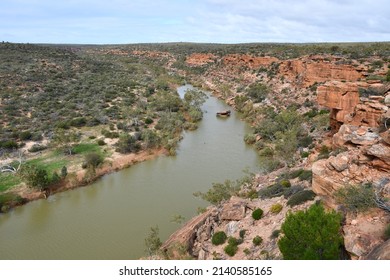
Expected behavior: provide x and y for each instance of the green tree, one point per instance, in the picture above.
(195, 98)
(311, 235)
(153, 241)
(35, 177)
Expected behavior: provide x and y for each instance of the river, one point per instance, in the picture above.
(111, 218)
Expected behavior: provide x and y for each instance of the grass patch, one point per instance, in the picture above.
(85, 148)
(8, 181)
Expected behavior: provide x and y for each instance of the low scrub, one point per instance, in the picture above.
(357, 198)
(257, 214)
(257, 240)
(276, 208)
(301, 197)
(219, 238)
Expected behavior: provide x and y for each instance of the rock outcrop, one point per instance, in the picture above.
(200, 59)
(249, 61)
(309, 70)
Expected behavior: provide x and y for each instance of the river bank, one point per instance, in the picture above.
(77, 179)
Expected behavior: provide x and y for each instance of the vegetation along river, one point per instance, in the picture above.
(111, 218)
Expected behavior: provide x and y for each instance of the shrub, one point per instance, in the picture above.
(311, 235)
(218, 238)
(271, 191)
(301, 197)
(356, 198)
(223, 191)
(276, 208)
(101, 142)
(305, 175)
(148, 121)
(231, 250)
(252, 194)
(285, 183)
(257, 214)
(242, 233)
(275, 233)
(25, 135)
(127, 144)
(293, 190)
(257, 240)
(36, 148)
(64, 172)
(324, 152)
(93, 159)
(234, 241)
(387, 232)
(294, 174)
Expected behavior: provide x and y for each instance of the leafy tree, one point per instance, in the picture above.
(34, 176)
(311, 235)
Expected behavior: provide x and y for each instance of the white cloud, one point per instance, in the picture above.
(227, 21)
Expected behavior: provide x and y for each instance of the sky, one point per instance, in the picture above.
(206, 21)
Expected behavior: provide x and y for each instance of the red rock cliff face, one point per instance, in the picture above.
(305, 71)
(199, 59)
(341, 98)
(248, 60)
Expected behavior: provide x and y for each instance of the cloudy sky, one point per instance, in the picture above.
(218, 21)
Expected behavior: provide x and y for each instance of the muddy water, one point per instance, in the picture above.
(111, 218)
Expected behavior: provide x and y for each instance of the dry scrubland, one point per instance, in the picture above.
(320, 117)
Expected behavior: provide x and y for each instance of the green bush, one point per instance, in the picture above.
(234, 241)
(231, 250)
(218, 238)
(257, 214)
(311, 235)
(356, 198)
(387, 232)
(301, 197)
(276, 208)
(285, 183)
(257, 240)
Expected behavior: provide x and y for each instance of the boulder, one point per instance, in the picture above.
(380, 151)
(340, 162)
(233, 210)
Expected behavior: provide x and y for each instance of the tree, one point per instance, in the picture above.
(152, 241)
(195, 98)
(258, 92)
(311, 235)
(35, 176)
